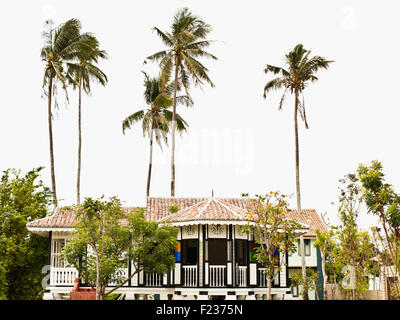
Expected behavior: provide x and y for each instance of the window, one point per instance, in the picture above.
(57, 247)
(252, 251)
(307, 247)
(189, 251)
(241, 252)
(217, 252)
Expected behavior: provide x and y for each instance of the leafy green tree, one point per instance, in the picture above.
(311, 280)
(381, 200)
(186, 43)
(107, 238)
(325, 243)
(62, 44)
(157, 118)
(81, 74)
(354, 248)
(23, 198)
(274, 233)
(300, 73)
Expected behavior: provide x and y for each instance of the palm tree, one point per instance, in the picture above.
(62, 44)
(81, 74)
(301, 71)
(156, 118)
(185, 43)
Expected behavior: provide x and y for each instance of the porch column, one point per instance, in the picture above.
(201, 255)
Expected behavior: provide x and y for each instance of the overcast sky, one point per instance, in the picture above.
(237, 141)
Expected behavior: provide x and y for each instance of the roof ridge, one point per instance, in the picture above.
(203, 209)
(229, 209)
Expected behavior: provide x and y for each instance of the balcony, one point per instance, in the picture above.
(241, 276)
(63, 276)
(217, 276)
(189, 276)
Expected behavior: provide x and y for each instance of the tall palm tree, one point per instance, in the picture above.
(156, 118)
(301, 71)
(186, 43)
(61, 44)
(81, 74)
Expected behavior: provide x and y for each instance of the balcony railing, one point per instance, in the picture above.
(263, 279)
(189, 276)
(241, 276)
(121, 273)
(217, 276)
(63, 276)
(153, 279)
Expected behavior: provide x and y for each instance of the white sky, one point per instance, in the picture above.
(238, 142)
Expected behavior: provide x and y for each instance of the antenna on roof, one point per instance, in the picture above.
(212, 193)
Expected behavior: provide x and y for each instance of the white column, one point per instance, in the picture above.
(201, 262)
(202, 297)
(230, 297)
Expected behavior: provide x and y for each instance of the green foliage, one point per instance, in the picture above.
(173, 208)
(310, 283)
(382, 201)
(185, 44)
(23, 198)
(300, 72)
(272, 230)
(106, 237)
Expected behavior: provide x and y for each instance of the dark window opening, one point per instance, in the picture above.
(189, 251)
(217, 251)
(241, 252)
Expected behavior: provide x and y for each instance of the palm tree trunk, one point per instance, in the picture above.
(53, 175)
(150, 164)
(303, 260)
(78, 178)
(173, 131)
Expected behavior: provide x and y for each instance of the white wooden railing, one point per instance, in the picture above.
(153, 279)
(217, 276)
(121, 273)
(262, 277)
(63, 276)
(241, 276)
(189, 276)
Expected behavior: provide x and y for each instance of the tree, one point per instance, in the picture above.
(23, 198)
(325, 244)
(61, 44)
(382, 201)
(81, 74)
(107, 238)
(274, 233)
(156, 119)
(311, 280)
(301, 72)
(186, 43)
(354, 248)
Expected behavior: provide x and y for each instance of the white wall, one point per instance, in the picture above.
(311, 260)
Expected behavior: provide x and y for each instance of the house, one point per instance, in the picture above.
(214, 258)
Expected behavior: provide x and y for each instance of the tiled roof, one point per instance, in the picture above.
(62, 218)
(210, 209)
(189, 209)
(158, 209)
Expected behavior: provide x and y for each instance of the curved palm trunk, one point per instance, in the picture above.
(325, 276)
(173, 131)
(53, 175)
(150, 164)
(303, 261)
(78, 180)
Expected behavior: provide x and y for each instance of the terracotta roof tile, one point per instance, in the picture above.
(62, 218)
(189, 208)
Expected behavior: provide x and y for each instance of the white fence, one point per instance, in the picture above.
(153, 279)
(241, 276)
(217, 276)
(63, 276)
(189, 276)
